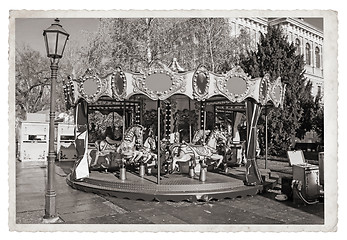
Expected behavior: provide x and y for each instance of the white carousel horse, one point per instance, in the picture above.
(175, 147)
(127, 148)
(199, 135)
(147, 150)
(193, 152)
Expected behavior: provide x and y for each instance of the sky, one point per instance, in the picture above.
(316, 22)
(29, 30)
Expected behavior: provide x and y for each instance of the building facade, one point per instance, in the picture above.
(307, 38)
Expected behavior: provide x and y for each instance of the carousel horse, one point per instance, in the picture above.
(199, 135)
(174, 148)
(103, 149)
(127, 148)
(148, 149)
(240, 153)
(193, 152)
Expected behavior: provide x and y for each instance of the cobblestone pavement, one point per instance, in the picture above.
(77, 207)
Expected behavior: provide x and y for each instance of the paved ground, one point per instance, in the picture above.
(76, 207)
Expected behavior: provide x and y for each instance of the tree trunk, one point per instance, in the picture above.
(148, 40)
(209, 35)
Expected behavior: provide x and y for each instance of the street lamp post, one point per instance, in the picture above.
(55, 38)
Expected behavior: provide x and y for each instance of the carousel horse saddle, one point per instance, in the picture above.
(201, 150)
(107, 144)
(110, 141)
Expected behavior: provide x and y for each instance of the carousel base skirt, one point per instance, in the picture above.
(172, 187)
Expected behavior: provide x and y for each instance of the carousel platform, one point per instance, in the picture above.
(172, 187)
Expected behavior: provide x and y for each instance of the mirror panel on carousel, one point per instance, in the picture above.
(158, 82)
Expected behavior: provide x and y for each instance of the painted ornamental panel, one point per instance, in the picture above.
(71, 96)
(201, 83)
(92, 87)
(158, 83)
(264, 90)
(119, 84)
(235, 85)
(277, 92)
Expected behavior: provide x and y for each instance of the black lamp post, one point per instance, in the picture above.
(55, 39)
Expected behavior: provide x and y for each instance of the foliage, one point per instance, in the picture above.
(318, 116)
(133, 43)
(276, 56)
(32, 77)
(32, 82)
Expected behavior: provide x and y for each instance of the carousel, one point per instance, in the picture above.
(170, 134)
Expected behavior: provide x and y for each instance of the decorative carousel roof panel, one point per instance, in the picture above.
(91, 87)
(159, 82)
(201, 83)
(264, 89)
(119, 84)
(276, 92)
(70, 94)
(236, 85)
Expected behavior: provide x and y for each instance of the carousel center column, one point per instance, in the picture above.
(159, 143)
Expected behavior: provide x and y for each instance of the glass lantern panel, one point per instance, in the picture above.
(51, 38)
(61, 44)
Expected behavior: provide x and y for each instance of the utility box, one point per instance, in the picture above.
(33, 141)
(307, 175)
(66, 149)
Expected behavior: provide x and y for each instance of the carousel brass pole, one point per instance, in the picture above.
(158, 160)
(203, 104)
(190, 123)
(123, 119)
(214, 115)
(141, 111)
(266, 137)
(225, 117)
(113, 120)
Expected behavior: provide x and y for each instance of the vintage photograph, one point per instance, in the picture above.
(172, 122)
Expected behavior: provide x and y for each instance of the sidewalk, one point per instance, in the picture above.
(77, 207)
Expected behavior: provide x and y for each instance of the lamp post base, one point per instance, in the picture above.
(52, 220)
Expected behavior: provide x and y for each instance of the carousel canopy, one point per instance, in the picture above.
(160, 82)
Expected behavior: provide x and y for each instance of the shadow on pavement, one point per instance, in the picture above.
(315, 209)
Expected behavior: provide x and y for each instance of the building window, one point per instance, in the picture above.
(259, 34)
(317, 54)
(319, 91)
(308, 54)
(297, 45)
